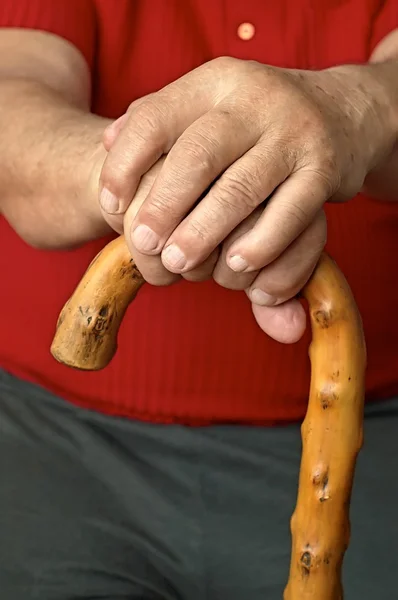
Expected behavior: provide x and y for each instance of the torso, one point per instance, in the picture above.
(192, 352)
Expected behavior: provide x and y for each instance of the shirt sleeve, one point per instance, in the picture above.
(73, 20)
(386, 20)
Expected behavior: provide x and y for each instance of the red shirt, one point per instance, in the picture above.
(192, 352)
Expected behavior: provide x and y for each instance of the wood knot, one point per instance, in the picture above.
(320, 480)
(321, 477)
(103, 312)
(130, 270)
(306, 563)
(328, 395)
(136, 275)
(323, 318)
(312, 558)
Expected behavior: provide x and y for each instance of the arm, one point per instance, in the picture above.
(51, 145)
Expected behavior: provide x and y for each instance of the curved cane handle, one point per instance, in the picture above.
(87, 328)
(86, 338)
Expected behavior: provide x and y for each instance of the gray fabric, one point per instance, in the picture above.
(99, 507)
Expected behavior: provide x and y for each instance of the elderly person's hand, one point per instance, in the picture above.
(253, 153)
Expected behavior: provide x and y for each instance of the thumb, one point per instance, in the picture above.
(285, 323)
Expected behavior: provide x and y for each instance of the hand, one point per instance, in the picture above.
(237, 133)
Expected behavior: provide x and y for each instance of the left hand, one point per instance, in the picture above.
(237, 133)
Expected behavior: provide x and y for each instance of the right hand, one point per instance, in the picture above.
(215, 267)
(152, 266)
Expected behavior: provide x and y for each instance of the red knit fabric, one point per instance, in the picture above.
(192, 353)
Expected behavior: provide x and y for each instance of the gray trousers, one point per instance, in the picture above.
(94, 507)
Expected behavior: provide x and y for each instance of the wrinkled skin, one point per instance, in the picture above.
(229, 168)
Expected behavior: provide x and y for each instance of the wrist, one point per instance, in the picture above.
(370, 97)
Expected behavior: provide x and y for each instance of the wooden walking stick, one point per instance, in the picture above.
(86, 338)
(332, 434)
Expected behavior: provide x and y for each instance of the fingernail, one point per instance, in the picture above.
(237, 263)
(109, 202)
(144, 238)
(173, 257)
(257, 296)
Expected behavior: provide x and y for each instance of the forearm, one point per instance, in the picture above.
(50, 154)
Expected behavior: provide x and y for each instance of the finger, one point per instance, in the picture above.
(285, 323)
(202, 152)
(151, 267)
(205, 270)
(112, 131)
(288, 213)
(114, 221)
(242, 188)
(153, 271)
(222, 273)
(152, 128)
(287, 275)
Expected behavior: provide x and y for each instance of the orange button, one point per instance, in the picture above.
(246, 31)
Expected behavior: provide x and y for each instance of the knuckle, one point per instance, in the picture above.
(133, 105)
(145, 128)
(237, 192)
(293, 214)
(326, 155)
(142, 133)
(276, 284)
(225, 62)
(204, 270)
(198, 233)
(232, 281)
(197, 151)
(196, 275)
(161, 208)
(322, 159)
(148, 116)
(117, 172)
(280, 156)
(228, 279)
(155, 274)
(327, 175)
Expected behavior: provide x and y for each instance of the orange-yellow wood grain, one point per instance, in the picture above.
(87, 328)
(86, 338)
(332, 437)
